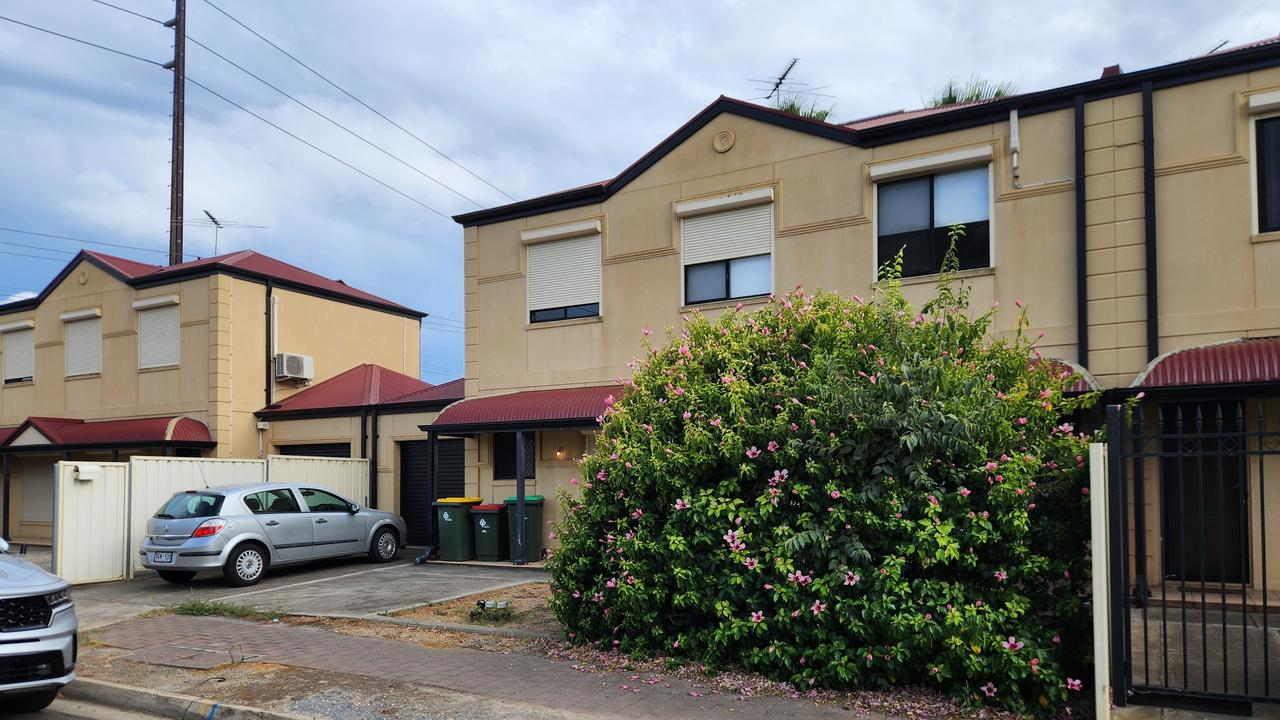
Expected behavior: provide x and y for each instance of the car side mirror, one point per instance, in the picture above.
(353, 508)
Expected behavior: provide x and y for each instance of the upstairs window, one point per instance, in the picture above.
(159, 336)
(564, 279)
(915, 216)
(728, 254)
(19, 350)
(84, 342)
(504, 456)
(1268, 149)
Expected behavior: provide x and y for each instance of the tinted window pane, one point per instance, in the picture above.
(190, 505)
(323, 501)
(917, 252)
(903, 206)
(960, 197)
(972, 251)
(581, 311)
(750, 276)
(704, 282)
(271, 501)
(1269, 174)
(546, 315)
(504, 456)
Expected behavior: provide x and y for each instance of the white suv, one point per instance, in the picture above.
(37, 634)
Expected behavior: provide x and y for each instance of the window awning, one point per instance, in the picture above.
(1245, 361)
(528, 410)
(1086, 382)
(70, 434)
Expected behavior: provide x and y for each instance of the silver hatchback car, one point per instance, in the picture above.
(244, 529)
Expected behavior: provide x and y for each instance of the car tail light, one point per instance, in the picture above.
(209, 527)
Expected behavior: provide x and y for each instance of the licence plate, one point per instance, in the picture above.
(162, 557)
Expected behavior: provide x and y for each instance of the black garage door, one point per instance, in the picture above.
(329, 450)
(416, 491)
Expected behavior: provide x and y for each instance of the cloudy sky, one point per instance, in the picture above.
(531, 96)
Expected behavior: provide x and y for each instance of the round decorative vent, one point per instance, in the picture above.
(722, 141)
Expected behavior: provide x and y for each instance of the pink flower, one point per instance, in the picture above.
(964, 492)
(675, 644)
(684, 350)
(681, 504)
(576, 594)
(772, 446)
(573, 481)
(757, 616)
(1001, 575)
(751, 563)
(687, 415)
(851, 578)
(715, 422)
(1057, 640)
(753, 452)
(835, 494)
(611, 583)
(647, 332)
(870, 657)
(1084, 491)
(991, 466)
(817, 607)
(1022, 421)
(636, 514)
(1074, 685)
(1011, 644)
(989, 689)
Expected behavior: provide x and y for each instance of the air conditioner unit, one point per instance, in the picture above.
(295, 367)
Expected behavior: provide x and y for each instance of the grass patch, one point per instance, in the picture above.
(213, 608)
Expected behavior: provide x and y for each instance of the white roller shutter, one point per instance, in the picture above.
(84, 346)
(19, 354)
(725, 235)
(564, 272)
(159, 336)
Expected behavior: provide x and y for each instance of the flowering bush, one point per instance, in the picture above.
(840, 493)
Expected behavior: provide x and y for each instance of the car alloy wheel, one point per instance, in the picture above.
(387, 545)
(249, 565)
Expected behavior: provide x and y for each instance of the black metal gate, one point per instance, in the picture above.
(1192, 614)
(418, 489)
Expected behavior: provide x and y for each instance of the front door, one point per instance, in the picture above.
(335, 530)
(285, 525)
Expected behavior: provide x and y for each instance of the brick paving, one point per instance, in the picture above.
(515, 677)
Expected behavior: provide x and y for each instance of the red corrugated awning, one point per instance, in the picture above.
(1235, 362)
(66, 432)
(529, 410)
(1086, 382)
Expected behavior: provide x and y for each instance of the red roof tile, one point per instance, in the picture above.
(1235, 362)
(143, 431)
(360, 387)
(563, 407)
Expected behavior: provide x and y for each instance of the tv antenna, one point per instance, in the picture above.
(780, 85)
(219, 225)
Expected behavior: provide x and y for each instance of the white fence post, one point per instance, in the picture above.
(1099, 512)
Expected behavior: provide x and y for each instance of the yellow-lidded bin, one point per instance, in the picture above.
(456, 541)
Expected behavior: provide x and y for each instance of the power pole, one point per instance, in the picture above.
(179, 68)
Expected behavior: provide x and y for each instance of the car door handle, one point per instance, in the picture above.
(272, 523)
(321, 521)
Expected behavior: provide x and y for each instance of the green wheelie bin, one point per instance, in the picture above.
(456, 541)
(533, 530)
(490, 531)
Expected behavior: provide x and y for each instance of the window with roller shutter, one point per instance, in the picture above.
(564, 279)
(727, 254)
(84, 346)
(19, 348)
(159, 336)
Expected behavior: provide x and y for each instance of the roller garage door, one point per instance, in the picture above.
(417, 490)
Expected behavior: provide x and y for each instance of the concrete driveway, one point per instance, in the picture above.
(336, 587)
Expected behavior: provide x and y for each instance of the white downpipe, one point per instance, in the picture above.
(1015, 150)
(1098, 512)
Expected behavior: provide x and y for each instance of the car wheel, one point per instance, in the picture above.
(31, 702)
(177, 577)
(246, 565)
(385, 545)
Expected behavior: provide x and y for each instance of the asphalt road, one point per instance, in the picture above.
(70, 710)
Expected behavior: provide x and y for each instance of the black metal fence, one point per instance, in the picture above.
(1193, 612)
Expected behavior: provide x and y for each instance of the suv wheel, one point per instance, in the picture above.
(385, 545)
(31, 702)
(246, 565)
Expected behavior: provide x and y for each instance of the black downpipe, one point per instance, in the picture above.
(4, 468)
(373, 458)
(1149, 213)
(364, 433)
(520, 558)
(1082, 259)
(433, 531)
(271, 350)
(1117, 539)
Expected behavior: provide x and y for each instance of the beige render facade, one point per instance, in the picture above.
(221, 377)
(1069, 238)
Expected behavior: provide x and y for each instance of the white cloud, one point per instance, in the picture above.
(15, 297)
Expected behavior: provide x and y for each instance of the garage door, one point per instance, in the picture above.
(416, 491)
(329, 450)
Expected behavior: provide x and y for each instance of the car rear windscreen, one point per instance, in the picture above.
(191, 505)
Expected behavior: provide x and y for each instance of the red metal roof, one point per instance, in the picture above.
(143, 431)
(896, 116)
(564, 407)
(444, 393)
(360, 387)
(1235, 362)
(5, 433)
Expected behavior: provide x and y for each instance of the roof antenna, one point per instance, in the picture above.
(220, 225)
(781, 78)
(779, 85)
(1218, 47)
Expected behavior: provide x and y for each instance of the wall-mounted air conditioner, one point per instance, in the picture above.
(295, 367)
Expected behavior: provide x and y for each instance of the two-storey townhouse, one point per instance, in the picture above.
(116, 358)
(1136, 215)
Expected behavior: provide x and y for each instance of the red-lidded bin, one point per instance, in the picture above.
(490, 532)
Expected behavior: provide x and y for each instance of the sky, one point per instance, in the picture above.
(533, 97)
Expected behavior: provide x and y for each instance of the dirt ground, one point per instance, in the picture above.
(528, 603)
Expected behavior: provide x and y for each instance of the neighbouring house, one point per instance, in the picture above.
(117, 358)
(1137, 215)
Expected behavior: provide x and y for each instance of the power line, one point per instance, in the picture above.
(326, 153)
(127, 10)
(333, 122)
(36, 247)
(343, 90)
(37, 257)
(81, 240)
(82, 42)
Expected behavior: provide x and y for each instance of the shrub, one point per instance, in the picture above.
(840, 493)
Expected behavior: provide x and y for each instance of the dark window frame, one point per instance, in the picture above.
(728, 279)
(504, 455)
(566, 312)
(936, 237)
(1261, 151)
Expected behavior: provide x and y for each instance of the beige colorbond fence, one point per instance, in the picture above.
(101, 509)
